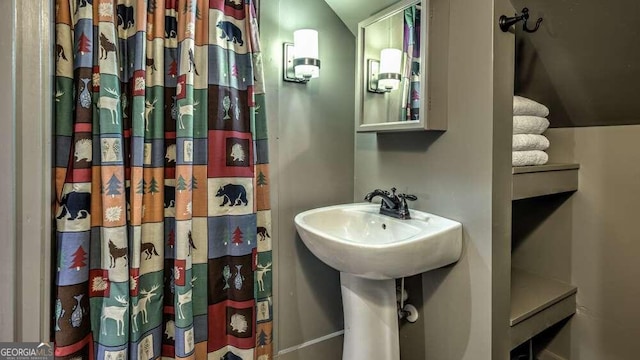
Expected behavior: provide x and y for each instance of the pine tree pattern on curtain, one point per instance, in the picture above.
(162, 181)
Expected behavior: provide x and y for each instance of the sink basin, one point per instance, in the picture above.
(371, 250)
(356, 239)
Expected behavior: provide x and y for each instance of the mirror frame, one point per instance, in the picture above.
(434, 39)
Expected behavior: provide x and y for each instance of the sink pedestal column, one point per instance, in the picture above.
(370, 318)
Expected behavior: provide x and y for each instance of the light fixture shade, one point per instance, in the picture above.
(306, 61)
(390, 65)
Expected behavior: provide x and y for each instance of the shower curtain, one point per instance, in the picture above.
(162, 182)
(411, 73)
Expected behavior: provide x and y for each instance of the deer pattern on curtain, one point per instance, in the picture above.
(161, 175)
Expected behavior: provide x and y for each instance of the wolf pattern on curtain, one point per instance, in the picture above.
(161, 175)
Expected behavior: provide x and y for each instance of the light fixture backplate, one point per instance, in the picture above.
(288, 71)
(373, 69)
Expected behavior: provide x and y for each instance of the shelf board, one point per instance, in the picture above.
(537, 303)
(540, 180)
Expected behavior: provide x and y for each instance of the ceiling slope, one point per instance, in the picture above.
(351, 12)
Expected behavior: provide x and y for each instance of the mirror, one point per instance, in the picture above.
(392, 93)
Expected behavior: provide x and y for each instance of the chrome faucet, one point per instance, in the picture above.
(392, 205)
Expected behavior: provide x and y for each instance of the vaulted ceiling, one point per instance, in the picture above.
(351, 12)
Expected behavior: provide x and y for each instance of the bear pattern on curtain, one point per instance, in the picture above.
(161, 175)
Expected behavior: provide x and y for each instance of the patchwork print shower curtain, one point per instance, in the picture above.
(411, 72)
(162, 214)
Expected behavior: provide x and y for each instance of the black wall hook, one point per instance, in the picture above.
(506, 22)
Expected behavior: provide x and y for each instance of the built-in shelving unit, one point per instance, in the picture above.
(532, 181)
(537, 303)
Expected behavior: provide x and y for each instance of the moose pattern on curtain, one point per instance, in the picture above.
(162, 182)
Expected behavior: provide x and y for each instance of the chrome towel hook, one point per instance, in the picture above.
(506, 22)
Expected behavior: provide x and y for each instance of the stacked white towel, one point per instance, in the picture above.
(529, 122)
(524, 106)
(526, 124)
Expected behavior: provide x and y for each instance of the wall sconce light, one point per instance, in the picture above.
(384, 75)
(301, 61)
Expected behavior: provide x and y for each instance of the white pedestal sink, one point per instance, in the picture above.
(371, 250)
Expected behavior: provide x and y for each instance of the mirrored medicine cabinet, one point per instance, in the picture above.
(402, 68)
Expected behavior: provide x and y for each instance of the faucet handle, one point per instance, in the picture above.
(404, 208)
(408, 197)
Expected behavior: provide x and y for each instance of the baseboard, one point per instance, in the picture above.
(322, 348)
(548, 355)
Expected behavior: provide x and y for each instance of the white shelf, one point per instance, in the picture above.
(533, 181)
(537, 303)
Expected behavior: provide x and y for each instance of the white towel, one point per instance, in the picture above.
(526, 158)
(524, 106)
(523, 142)
(525, 124)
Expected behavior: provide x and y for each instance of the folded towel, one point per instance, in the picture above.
(525, 124)
(526, 158)
(524, 106)
(523, 142)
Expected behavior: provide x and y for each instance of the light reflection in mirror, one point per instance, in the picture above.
(393, 90)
